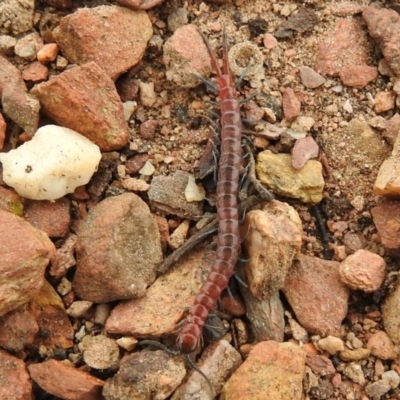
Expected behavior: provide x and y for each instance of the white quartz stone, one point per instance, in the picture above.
(52, 164)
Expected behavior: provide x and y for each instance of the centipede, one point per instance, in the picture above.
(228, 237)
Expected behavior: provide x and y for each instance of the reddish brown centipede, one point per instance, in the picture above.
(228, 239)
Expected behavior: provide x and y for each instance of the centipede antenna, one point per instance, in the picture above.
(197, 369)
(208, 83)
(241, 281)
(153, 343)
(248, 98)
(213, 114)
(213, 57)
(241, 77)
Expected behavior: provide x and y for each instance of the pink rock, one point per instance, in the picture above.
(26, 251)
(384, 101)
(386, 218)
(381, 346)
(357, 75)
(148, 129)
(291, 105)
(269, 41)
(85, 99)
(363, 270)
(13, 371)
(64, 258)
(320, 365)
(313, 282)
(303, 150)
(348, 46)
(66, 382)
(113, 37)
(118, 250)
(384, 27)
(310, 79)
(185, 54)
(52, 217)
(35, 72)
(272, 369)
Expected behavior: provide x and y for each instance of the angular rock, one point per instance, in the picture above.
(28, 46)
(3, 128)
(276, 171)
(55, 329)
(167, 193)
(17, 384)
(175, 290)
(384, 101)
(310, 79)
(218, 362)
(51, 217)
(320, 365)
(84, 99)
(303, 150)
(381, 346)
(363, 270)
(18, 329)
(26, 251)
(273, 238)
(21, 107)
(9, 74)
(118, 250)
(272, 368)
(348, 46)
(115, 38)
(35, 72)
(64, 258)
(384, 27)
(310, 283)
(386, 217)
(66, 382)
(391, 316)
(290, 104)
(185, 55)
(146, 375)
(392, 129)
(16, 16)
(357, 75)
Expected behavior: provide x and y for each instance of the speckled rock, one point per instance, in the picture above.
(16, 16)
(357, 75)
(51, 217)
(391, 315)
(175, 290)
(218, 362)
(276, 171)
(386, 218)
(271, 368)
(384, 27)
(303, 150)
(363, 270)
(331, 344)
(14, 372)
(348, 46)
(118, 250)
(167, 193)
(311, 282)
(66, 382)
(26, 251)
(113, 37)
(145, 375)
(310, 79)
(185, 55)
(273, 238)
(84, 99)
(381, 346)
(10, 74)
(100, 352)
(290, 104)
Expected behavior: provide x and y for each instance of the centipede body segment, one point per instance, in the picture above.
(228, 239)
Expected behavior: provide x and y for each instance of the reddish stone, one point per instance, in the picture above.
(35, 72)
(113, 37)
(66, 382)
(26, 251)
(386, 218)
(85, 99)
(16, 382)
(9, 74)
(381, 346)
(348, 46)
(148, 129)
(320, 365)
(135, 163)
(291, 105)
(357, 75)
(392, 129)
(48, 53)
(384, 101)
(3, 127)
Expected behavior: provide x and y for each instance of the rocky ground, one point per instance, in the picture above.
(85, 278)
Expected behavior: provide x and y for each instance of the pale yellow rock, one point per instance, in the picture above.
(276, 171)
(273, 238)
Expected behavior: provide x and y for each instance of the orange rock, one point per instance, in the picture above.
(3, 127)
(35, 72)
(48, 53)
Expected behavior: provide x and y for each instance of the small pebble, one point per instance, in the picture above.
(79, 308)
(331, 344)
(128, 343)
(311, 79)
(101, 352)
(147, 169)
